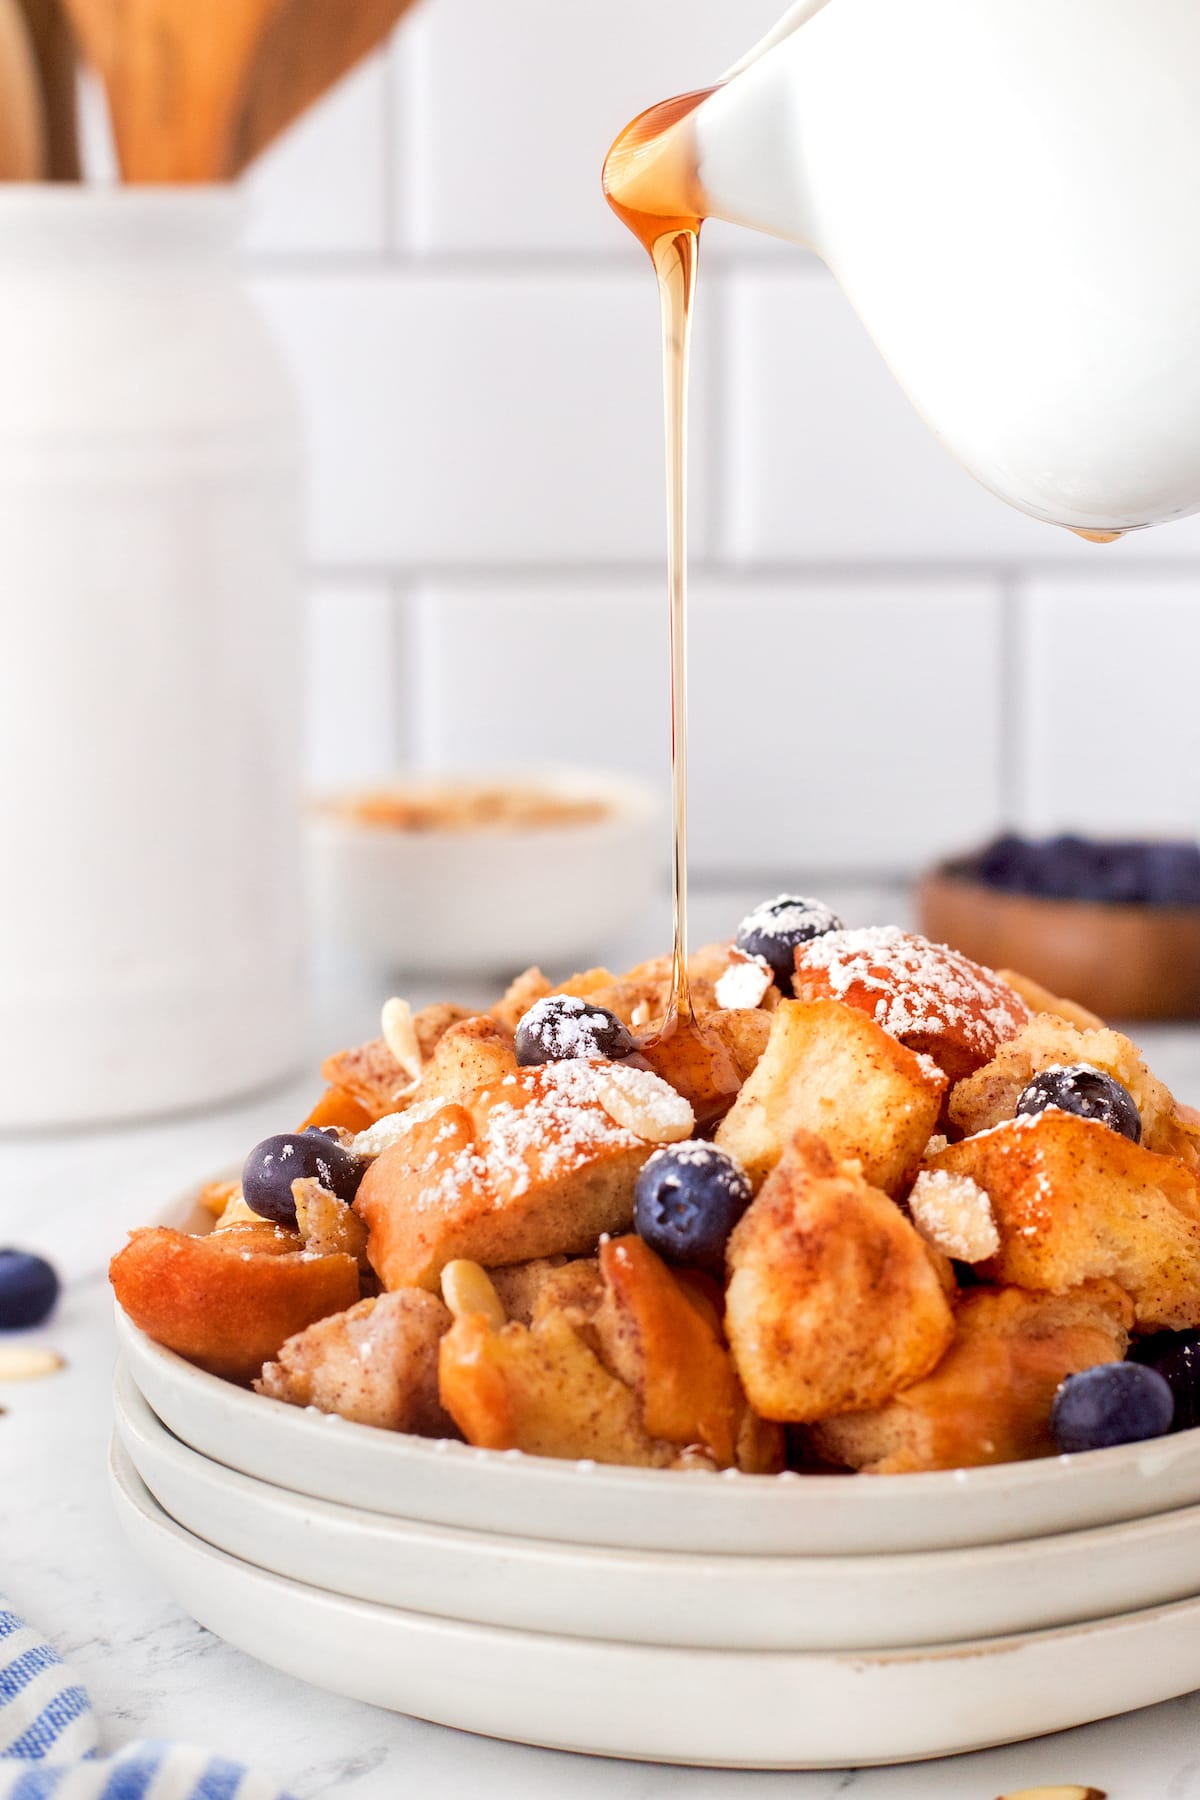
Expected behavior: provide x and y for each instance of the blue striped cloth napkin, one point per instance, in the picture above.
(49, 1744)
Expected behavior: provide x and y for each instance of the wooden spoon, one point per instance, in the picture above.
(174, 72)
(54, 48)
(307, 47)
(22, 127)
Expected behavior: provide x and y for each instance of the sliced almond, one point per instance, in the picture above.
(642, 1102)
(400, 1036)
(1056, 1793)
(26, 1362)
(467, 1290)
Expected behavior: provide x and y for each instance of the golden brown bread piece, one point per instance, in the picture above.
(376, 1364)
(831, 1070)
(521, 1285)
(834, 1303)
(230, 1300)
(653, 1335)
(1074, 1202)
(932, 998)
(991, 1095)
(623, 1362)
(989, 1399)
(544, 1391)
(533, 1166)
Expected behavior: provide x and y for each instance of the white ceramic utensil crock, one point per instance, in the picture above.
(150, 918)
(1009, 193)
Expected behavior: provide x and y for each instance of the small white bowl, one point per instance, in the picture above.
(749, 1602)
(488, 900)
(730, 1708)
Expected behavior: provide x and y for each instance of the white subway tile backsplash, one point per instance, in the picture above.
(826, 460)
(1109, 698)
(355, 718)
(509, 418)
(527, 673)
(323, 186)
(843, 724)
(519, 106)
(834, 725)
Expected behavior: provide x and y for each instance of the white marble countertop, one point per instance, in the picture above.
(153, 1672)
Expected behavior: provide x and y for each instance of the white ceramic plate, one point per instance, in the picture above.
(443, 1483)
(740, 1709)
(715, 1602)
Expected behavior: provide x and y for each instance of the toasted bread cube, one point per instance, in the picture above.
(522, 993)
(932, 998)
(535, 1167)
(653, 1335)
(831, 1070)
(227, 1302)
(469, 1055)
(834, 1303)
(989, 1399)
(368, 1076)
(990, 1096)
(544, 1391)
(375, 1365)
(1075, 1202)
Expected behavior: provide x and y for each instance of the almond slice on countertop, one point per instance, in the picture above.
(28, 1362)
(642, 1102)
(1056, 1793)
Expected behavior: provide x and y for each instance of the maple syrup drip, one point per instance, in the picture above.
(651, 184)
(1097, 537)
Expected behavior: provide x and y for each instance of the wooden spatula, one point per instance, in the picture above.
(174, 72)
(307, 47)
(54, 48)
(22, 127)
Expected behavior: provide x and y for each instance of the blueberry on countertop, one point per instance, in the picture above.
(775, 929)
(1113, 1403)
(1176, 1356)
(562, 1026)
(273, 1165)
(687, 1200)
(28, 1290)
(1088, 1092)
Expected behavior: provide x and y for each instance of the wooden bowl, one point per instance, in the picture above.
(1124, 962)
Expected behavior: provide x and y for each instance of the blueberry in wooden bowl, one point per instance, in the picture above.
(1113, 923)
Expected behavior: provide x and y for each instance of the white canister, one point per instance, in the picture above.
(150, 907)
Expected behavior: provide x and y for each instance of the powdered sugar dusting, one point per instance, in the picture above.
(745, 982)
(644, 1103)
(786, 915)
(955, 1214)
(923, 989)
(558, 1128)
(568, 1027)
(393, 1128)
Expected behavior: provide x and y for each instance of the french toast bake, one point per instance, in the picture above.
(924, 1214)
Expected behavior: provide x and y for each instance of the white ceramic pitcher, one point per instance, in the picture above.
(150, 927)
(1009, 193)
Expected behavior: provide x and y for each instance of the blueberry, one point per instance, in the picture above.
(687, 1200)
(1114, 1403)
(1176, 1356)
(775, 929)
(273, 1165)
(28, 1290)
(562, 1026)
(1090, 1093)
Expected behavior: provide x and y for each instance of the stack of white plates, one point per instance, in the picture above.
(735, 1620)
